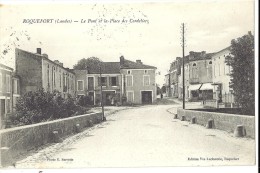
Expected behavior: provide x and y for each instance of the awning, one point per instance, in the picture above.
(207, 86)
(194, 87)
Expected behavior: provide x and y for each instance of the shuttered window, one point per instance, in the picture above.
(129, 80)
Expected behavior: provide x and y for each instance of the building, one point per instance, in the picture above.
(89, 83)
(200, 76)
(124, 81)
(180, 76)
(9, 91)
(171, 79)
(221, 77)
(167, 84)
(138, 81)
(37, 71)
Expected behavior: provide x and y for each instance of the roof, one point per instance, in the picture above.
(43, 57)
(198, 56)
(227, 48)
(106, 68)
(6, 67)
(135, 65)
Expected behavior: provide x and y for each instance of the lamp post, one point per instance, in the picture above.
(101, 93)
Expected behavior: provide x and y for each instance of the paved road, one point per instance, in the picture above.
(145, 136)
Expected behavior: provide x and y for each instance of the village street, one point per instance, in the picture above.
(145, 136)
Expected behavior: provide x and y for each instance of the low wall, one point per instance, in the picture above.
(222, 121)
(19, 140)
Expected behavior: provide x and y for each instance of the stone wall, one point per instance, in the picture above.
(222, 121)
(18, 141)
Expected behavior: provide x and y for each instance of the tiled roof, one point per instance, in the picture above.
(135, 65)
(198, 56)
(106, 68)
(6, 67)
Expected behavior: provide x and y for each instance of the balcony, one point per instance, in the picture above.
(194, 80)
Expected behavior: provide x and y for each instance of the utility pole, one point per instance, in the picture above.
(101, 95)
(183, 74)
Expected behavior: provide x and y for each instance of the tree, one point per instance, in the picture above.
(84, 63)
(163, 89)
(243, 72)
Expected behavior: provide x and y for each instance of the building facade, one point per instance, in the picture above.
(37, 71)
(138, 81)
(221, 77)
(124, 81)
(9, 91)
(200, 76)
(90, 81)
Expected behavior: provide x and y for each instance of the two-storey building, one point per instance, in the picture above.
(9, 91)
(221, 77)
(107, 75)
(138, 81)
(37, 71)
(200, 75)
(121, 80)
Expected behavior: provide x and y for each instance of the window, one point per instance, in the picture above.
(8, 84)
(128, 71)
(130, 96)
(103, 81)
(194, 64)
(15, 86)
(113, 81)
(210, 62)
(80, 85)
(1, 82)
(146, 80)
(8, 106)
(129, 80)
(145, 71)
(60, 80)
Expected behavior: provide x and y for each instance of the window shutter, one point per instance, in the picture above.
(99, 81)
(117, 81)
(110, 81)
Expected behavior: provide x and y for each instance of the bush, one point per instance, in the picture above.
(39, 106)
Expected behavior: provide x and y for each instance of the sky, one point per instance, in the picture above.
(156, 40)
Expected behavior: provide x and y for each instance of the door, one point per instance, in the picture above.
(2, 108)
(146, 97)
(91, 96)
(90, 83)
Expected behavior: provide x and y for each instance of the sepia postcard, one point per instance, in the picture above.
(115, 85)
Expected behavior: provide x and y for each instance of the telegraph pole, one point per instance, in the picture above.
(183, 74)
(101, 93)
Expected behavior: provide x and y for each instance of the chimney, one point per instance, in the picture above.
(203, 53)
(39, 51)
(139, 61)
(45, 55)
(122, 60)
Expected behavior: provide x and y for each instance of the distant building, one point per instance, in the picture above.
(89, 83)
(9, 91)
(37, 71)
(221, 77)
(138, 81)
(200, 77)
(125, 79)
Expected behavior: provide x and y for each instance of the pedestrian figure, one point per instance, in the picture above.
(161, 95)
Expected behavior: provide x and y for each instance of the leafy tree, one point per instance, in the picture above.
(243, 72)
(163, 89)
(89, 62)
